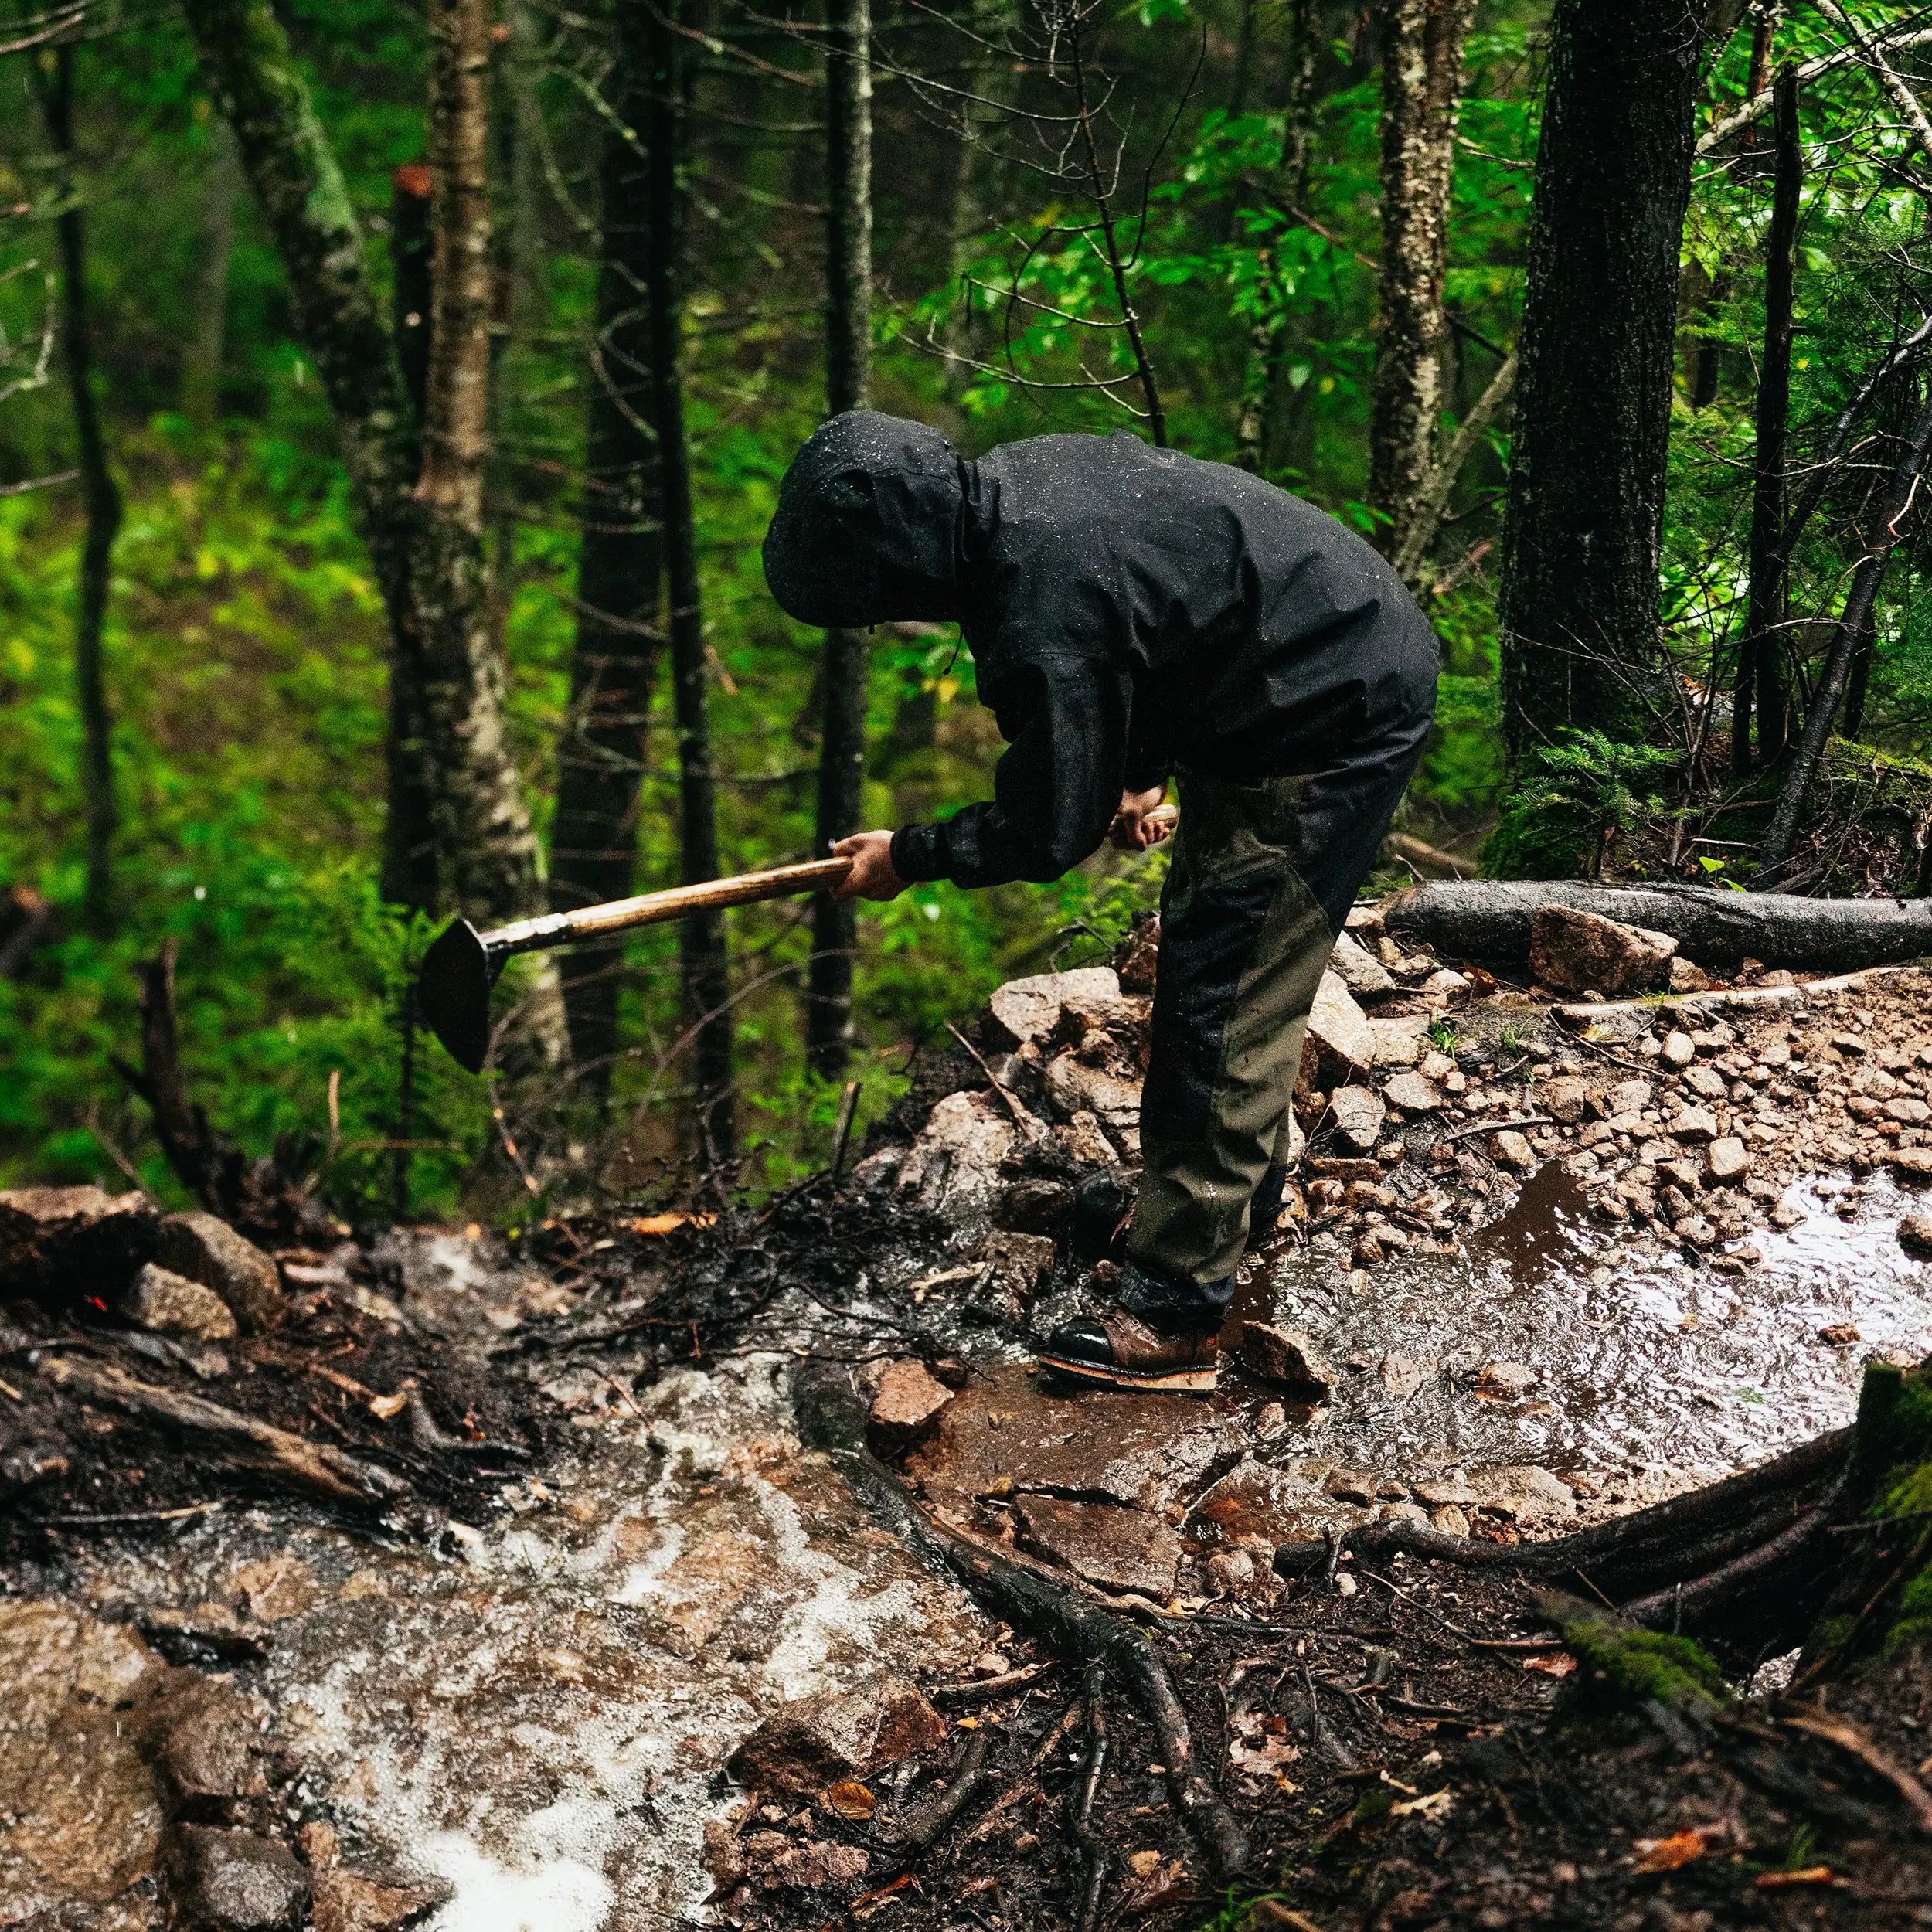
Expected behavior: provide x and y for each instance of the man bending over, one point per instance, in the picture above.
(1135, 615)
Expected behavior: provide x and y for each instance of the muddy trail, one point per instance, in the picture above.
(490, 1586)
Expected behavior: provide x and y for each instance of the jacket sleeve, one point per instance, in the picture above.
(1055, 791)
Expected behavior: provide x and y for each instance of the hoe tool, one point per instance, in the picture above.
(453, 983)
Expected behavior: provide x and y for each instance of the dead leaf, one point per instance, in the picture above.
(388, 1408)
(1669, 1854)
(851, 1799)
(669, 1223)
(1141, 1863)
(1555, 1663)
(1811, 1875)
(1437, 1804)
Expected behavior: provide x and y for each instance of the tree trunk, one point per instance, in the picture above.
(103, 500)
(620, 577)
(202, 359)
(1422, 76)
(413, 290)
(841, 758)
(651, 30)
(1268, 327)
(458, 830)
(1852, 640)
(1582, 524)
(991, 84)
(1760, 682)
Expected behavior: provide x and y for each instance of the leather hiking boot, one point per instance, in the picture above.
(1122, 1351)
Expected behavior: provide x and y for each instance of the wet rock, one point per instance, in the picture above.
(1230, 1572)
(1016, 1267)
(1507, 1378)
(1908, 1110)
(1034, 1206)
(1031, 1009)
(1450, 1519)
(165, 1303)
(205, 1249)
(1083, 1140)
(1116, 1548)
(1352, 1485)
(1115, 1098)
(1341, 1043)
(1399, 1043)
(1578, 952)
(1694, 1125)
(1911, 1164)
(816, 1741)
(1730, 1159)
(954, 1167)
(1287, 1356)
(1401, 1377)
(1841, 1335)
(1627, 1097)
(1512, 1150)
(1360, 972)
(278, 1588)
(818, 1862)
(236, 1882)
(1562, 1098)
(1523, 1493)
(905, 1407)
(207, 1747)
(80, 1816)
(1415, 1095)
(346, 1901)
(72, 1240)
(1006, 1431)
(1359, 1114)
(1139, 957)
(1915, 1234)
(1441, 1492)
(1686, 977)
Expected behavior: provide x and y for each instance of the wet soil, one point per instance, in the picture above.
(527, 1689)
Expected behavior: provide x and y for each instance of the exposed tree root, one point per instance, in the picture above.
(1694, 1562)
(311, 1468)
(832, 1419)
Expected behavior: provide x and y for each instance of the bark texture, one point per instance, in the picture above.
(1268, 328)
(1760, 685)
(458, 833)
(619, 579)
(651, 30)
(842, 755)
(1422, 76)
(103, 499)
(1582, 524)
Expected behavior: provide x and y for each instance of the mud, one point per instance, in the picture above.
(527, 1706)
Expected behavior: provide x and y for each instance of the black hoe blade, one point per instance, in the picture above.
(453, 993)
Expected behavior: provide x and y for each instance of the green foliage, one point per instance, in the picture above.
(1575, 797)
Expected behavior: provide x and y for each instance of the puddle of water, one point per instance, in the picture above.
(1640, 1360)
(542, 1724)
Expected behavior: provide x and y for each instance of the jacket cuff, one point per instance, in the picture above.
(918, 855)
(1145, 777)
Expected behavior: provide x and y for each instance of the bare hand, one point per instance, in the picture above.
(1131, 831)
(872, 876)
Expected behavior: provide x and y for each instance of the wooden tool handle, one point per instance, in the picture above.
(653, 909)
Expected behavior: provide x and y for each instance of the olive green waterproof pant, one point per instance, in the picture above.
(1243, 944)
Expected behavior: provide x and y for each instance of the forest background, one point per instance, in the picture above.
(395, 396)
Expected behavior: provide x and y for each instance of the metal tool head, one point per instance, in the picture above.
(453, 993)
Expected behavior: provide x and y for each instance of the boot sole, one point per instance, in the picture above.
(1161, 1381)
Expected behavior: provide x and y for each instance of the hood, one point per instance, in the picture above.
(871, 526)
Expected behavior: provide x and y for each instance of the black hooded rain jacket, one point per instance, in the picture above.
(1130, 611)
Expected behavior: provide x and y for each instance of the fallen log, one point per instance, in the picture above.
(310, 1468)
(1489, 920)
(832, 1419)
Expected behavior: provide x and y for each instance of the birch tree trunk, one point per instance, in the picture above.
(102, 497)
(841, 757)
(1268, 327)
(619, 579)
(1582, 524)
(1760, 684)
(651, 30)
(1422, 76)
(458, 833)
